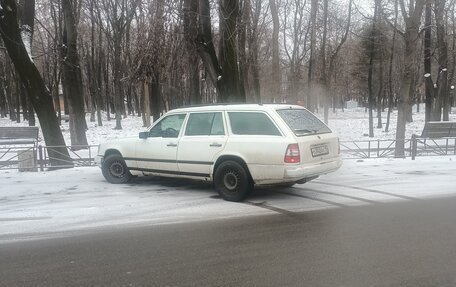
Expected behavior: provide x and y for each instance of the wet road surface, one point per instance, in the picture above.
(408, 243)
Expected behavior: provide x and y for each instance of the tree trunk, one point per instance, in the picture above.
(311, 101)
(155, 97)
(205, 46)
(370, 99)
(72, 79)
(427, 59)
(33, 83)
(116, 67)
(275, 77)
(145, 103)
(223, 71)
(380, 89)
(324, 81)
(442, 83)
(253, 54)
(228, 56)
(242, 45)
(191, 34)
(390, 71)
(412, 24)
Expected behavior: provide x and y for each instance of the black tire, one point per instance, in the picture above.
(232, 181)
(115, 170)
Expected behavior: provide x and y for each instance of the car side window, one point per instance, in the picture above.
(168, 127)
(252, 123)
(204, 124)
(217, 125)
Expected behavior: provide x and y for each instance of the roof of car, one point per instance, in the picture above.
(238, 107)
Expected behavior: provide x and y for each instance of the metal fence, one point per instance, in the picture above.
(372, 148)
(386, 148)
(33, 158)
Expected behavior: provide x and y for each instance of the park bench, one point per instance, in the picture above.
(434, 131)
(439, 130)
(18, 136)
(18, 146)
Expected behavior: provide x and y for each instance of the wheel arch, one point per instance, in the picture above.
(111, 151)
(235, 158)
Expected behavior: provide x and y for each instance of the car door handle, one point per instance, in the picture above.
(215, 145)
(171, 144)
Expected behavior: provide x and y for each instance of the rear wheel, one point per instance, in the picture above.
(115, 170)
(232, 181)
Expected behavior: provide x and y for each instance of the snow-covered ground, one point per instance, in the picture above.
(35, 205)
(45, 204)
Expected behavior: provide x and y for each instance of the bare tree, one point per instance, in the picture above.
(412, 19)
(427, 59)
(33, 83)
(119, 14)
(190, 11)
(72, 79)
(223, 70)
(276, 77)
(311, 101)
(441, 104)
(228, 54)
(27, 27)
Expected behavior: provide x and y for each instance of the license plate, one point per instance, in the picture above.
(319, 150)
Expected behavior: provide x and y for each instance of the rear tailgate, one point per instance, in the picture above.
(314, 148)
(316, 141)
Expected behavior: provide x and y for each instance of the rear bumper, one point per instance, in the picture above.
(276, 174)
(302, 171)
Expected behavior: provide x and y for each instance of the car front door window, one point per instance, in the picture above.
(168, 127)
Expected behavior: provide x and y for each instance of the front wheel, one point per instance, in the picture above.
(115, 170)
(232, 181)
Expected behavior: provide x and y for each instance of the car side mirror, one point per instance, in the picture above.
(143, 135)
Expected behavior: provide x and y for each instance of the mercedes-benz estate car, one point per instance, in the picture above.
(234, 146)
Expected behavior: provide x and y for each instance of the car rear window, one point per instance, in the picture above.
(252, 123)
(302, 122)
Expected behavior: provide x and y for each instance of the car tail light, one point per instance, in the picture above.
(292, 154)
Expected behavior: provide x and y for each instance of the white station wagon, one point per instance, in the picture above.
(235, 146)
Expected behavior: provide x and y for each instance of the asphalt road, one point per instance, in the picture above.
(410, 243)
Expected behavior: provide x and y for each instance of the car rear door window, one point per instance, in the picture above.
(302, 122)
(205, 124)
(252, 123)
